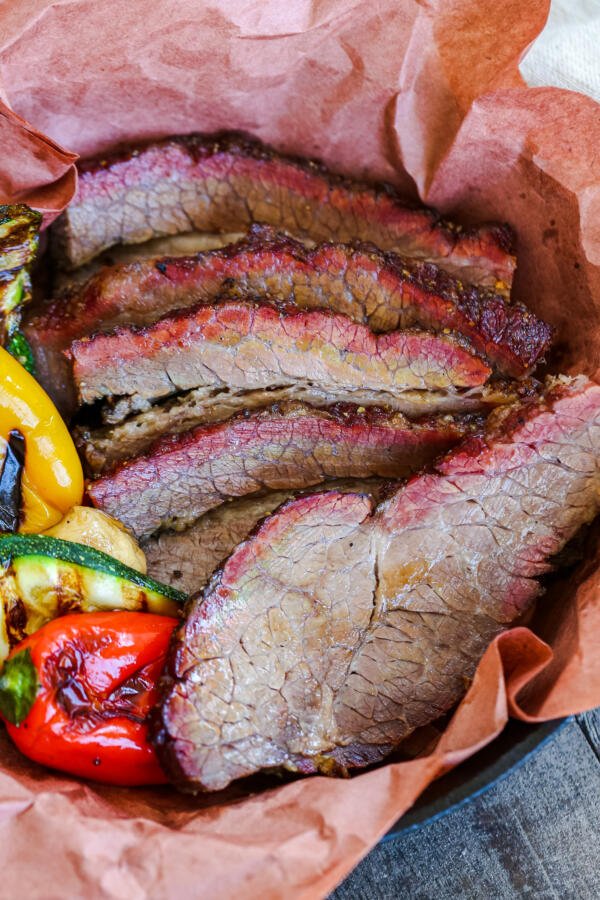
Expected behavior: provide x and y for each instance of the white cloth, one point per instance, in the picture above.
(567, 53)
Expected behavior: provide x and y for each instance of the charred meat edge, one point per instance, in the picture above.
(483, 251)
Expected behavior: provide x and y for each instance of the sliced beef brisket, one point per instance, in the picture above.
(226, 182)
(379, 289)
(338, 628)
(187, 559)
(68, 282)
(105, 446)
(250, 346)
(291, 446)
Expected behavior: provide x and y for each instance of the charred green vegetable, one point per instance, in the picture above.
(18, 346)
(19, 238)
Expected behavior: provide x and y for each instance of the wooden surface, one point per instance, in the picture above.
(535, 834)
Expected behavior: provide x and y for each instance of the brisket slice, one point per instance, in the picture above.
(187, 559)
(249, 346)
(379, 289)
(291, 446)
(338, 628)
(66, 282)
(106, 446)
(227, 182)
(102, 448)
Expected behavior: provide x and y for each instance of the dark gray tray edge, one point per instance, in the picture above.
(552, 728)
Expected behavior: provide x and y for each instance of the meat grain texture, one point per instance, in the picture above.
(288, 446)
(187, 559)
(340, 626)
(226, 182)
(382, 290)
(248, 346)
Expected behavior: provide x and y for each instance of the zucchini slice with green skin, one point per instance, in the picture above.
(44, 577)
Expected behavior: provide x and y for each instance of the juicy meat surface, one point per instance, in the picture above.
(291, 446)
(187, 559)
(248, 346)
(227, 182)
(104, 446)
(379, 289)
(68, 283)
(340, 626)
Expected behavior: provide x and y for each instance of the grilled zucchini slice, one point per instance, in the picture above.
(44, 577)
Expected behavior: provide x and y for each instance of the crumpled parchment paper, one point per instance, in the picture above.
(424, 94)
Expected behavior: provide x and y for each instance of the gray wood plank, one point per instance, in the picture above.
(590, 726)
(534, 834)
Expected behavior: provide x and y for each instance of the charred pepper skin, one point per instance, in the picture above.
(11, 474)
(97, 681)
(53, 477)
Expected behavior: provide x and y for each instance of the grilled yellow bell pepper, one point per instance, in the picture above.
(53, 478)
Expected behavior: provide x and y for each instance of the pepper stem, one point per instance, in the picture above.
(18, 687)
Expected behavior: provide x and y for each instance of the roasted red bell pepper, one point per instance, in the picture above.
(76, 694)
